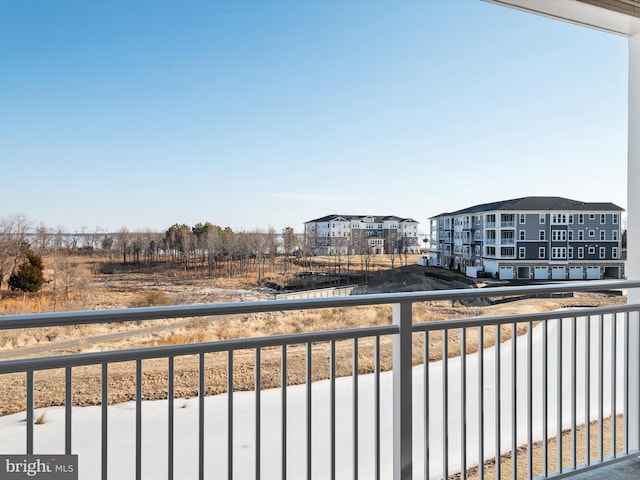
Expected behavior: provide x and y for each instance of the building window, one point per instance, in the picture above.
(581, 218)
(580, 235)
(541, 218)
(570, 235)
(570, 252)
(523, 218)
(571, 218)
(507, 252)
(580, 252)
(523, 235)
(558, 253)
(602, 252)
(592, 216)
(522, 252)
(614, 235)
(559, 235)
(541, 252)
(603, 218)
(592, 234)
(592, 250)
(614, 252)
(603, 235)
(541, 235)
(559, 218)
(614, 218)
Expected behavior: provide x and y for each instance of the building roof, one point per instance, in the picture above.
(621, 17)
(349, 218)
(537, 204)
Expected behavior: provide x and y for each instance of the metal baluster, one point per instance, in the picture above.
(481, 402)
(68, 410)
(230, 414)
(574, 447)
(308, 380)
(545, 400)
(587, 389)
(627, 378)
(332, 378)
(105, 404)
(497, 401)
(30, 406)
(614, 353)
(284, 410)
(258, 391)
(445, 403)
(514, 402)
(377, 405)
(201, 392)
(171, 419)
(355, 369)
(138, 419)
(530, 400)
(463, 392)
(600, 389)
(426, 403)
(559, 393)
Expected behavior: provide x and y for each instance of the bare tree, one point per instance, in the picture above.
(272, 246)
(393, 254)
(123, 237)
(41, 240)
(13, 231)
(260, 249)
(289, 245)
(213, 241)
(366, 253)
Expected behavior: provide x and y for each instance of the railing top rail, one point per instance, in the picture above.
(96, 358)
(453, 324)
(217, 309)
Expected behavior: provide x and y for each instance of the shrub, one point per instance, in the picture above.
(29, 276)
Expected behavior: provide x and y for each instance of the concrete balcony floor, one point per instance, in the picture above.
(624, 470)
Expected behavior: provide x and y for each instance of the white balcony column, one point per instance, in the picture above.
(633, 235)
(403, 393)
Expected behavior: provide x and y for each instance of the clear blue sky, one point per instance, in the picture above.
(252, 114)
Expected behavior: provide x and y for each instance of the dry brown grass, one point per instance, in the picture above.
(41, 419)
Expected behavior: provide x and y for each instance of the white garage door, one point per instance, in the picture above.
(541, 273)
(575, 273)
(506, 273)
(593, 273)
(558, 273)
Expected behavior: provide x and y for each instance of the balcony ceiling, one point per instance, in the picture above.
(615, 16)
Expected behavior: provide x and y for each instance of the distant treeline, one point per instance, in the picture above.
(205, 246)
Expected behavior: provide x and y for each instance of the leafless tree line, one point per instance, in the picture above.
(205, 247)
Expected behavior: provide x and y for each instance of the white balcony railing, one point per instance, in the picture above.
(533, 378)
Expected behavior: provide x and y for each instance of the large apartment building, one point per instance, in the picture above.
(361, 234)
(531, 238)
